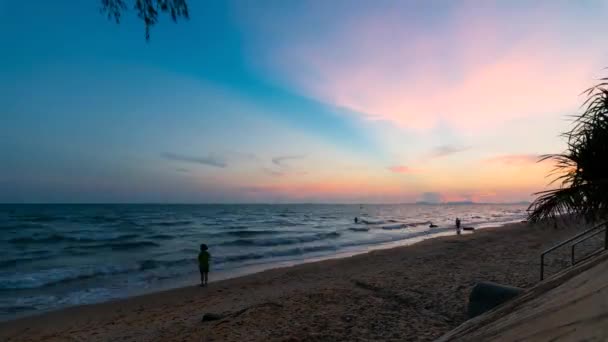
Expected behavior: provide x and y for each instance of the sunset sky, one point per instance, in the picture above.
(292, 101)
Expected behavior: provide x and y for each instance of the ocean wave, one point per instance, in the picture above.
(153, 264)
(402, 225)
(161, 237)
(420, 223)
(116, 246)
(55, 276)
(396, 238)
(173, 223)
(44, 239)
(21, 225)
(42, 218)
(246, 233)
(394, 226)
(77, 251)
(43, 302)
(94, 219)
(282, 241)
(125, 223)
(128, 245)
(13, 309)
(237, 227)
(18, 261)
(281, 223)
(274, 254)
(368, 221)
(189, 250)
(59, 238)
(64, 275)
(357, 229)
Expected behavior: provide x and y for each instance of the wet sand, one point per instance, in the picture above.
(411, 293)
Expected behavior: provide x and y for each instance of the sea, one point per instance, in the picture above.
(60, 255)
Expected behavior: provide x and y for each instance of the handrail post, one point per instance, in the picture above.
(606, 236)
(572, 255)
(542, 266)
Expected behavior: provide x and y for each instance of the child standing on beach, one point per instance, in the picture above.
(203, 264)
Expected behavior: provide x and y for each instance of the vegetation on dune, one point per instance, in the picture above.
(147, 10)
(582, 170)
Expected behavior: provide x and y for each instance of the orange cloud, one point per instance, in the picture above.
(514, 159)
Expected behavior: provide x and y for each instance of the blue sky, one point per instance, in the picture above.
(289, 102)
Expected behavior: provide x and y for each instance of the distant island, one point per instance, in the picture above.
(467, 203)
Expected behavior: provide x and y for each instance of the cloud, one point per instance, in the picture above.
(274, 173)
(182, 170)
(477, 196)
(209, 160)
(464, 65)
(283, 172)
(281, 160)
(514, 159)
(400, 169)
(280, 167)
(446, 150)
(241, 155)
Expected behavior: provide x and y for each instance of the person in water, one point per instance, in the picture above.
(203, 264)
(458, 226)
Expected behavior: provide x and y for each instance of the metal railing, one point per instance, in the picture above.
(577, 239)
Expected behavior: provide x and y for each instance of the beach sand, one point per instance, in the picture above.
(412, 293)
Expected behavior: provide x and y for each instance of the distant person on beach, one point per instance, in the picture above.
(356, 219)
(203, 264)
(458, 226)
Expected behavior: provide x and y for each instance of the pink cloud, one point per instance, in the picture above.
(475, 72)
(401, 169)
(446, 150)
(514, 159)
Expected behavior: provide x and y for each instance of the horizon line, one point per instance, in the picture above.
(261, 203)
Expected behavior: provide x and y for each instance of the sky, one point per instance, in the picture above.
(292, 101)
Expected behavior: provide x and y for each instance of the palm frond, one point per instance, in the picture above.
(582, 170)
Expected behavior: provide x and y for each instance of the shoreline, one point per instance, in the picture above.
(431, 256)
(265, 266)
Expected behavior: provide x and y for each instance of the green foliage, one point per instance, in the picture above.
(147, 10)
(582, 171)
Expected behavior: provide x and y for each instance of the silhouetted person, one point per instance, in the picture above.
(457, 226)
(356, 219)
(203, 264)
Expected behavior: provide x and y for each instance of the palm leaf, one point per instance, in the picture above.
(582, 170)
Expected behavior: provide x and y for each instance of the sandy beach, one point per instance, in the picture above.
(412, 293)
